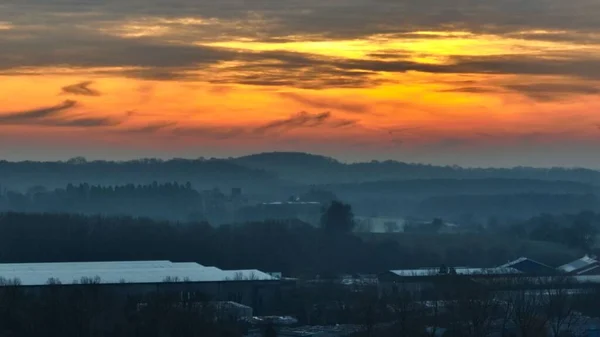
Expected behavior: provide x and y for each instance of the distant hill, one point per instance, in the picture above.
(265, 172)
(316, 169)
(201, 173)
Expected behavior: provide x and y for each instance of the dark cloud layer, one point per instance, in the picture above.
(85, 35)
(270, 19)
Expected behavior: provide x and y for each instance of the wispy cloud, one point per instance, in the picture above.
(54, 116)
(150, 128)
(553, 91)
(218, 132)
(472, 90)
(35, 115)
(325, 103)
(81, 89)
(299, 120)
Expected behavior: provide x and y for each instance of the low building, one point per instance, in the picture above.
(421, 280)
(252, 288)
(586, 265)
(528, 266)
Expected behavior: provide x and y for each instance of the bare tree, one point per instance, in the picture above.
(407, 313)
(560, 307)
(527, 311)
(473, 308)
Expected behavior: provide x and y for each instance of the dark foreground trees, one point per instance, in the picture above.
(93, 310)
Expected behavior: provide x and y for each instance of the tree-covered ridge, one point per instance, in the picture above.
(268, 169)
(158, 200)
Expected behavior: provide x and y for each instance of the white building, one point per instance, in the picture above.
(253, 288)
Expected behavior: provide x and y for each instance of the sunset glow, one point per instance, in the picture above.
(174, 78)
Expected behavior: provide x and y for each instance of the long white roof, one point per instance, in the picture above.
(32, 274)
(459, 271)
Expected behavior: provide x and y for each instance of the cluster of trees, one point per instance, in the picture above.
(172, 201)
(202, 173)
(507, 206)
(573, 230)
(293, 248)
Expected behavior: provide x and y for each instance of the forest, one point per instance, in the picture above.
(291, 247)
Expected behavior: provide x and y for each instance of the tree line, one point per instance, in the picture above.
(291, 247)
(169, 200)
(577, 230)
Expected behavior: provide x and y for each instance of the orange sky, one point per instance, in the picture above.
(343, 79)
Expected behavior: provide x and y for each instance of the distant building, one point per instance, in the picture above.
(421, 280)
(528, 266)
(252, 288)
(586, 265)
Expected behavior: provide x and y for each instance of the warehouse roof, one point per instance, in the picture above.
(32, 274)
(528, 266)
(581, 263)
(459, 271)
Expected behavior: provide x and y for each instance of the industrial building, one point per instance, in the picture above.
(586, 265)
(252, 288)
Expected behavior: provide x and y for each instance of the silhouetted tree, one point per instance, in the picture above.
(338, 217)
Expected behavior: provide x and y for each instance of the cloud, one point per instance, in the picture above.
(295, 121)
(54, 117)
(299, 120)
(218, 132)
(553, 91)
(36, 115)
(83, 122)
(82, 89)
(324, 103)
(150, 128)
(472, 90)
(147, 40)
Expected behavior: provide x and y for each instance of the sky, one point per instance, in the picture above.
(466, 82)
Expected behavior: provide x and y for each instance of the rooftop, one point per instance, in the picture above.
(459, 271)
(583, 262)
(34, 274)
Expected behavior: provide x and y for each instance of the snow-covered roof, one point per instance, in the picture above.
(459, 271)
(32, 274)
(578, 264)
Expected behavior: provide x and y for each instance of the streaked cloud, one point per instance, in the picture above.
(54, 116)
(554, 91)
(150, 128)
(326, 103)
(36, 115)
(302, 119)
(82, 89)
